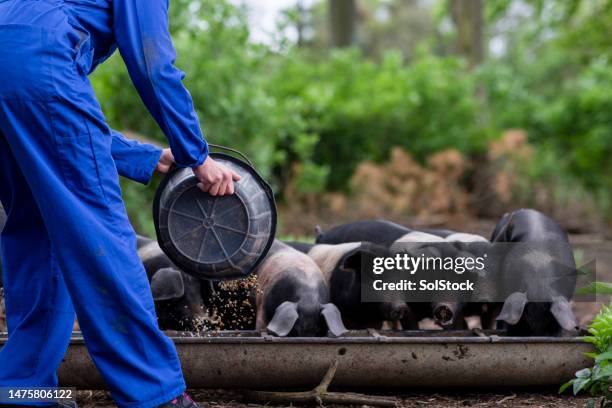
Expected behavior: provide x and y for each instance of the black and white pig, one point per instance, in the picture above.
(540, 277)
(482, 302)
(447, 314)
(177, 295)
(341, 267)
(292, 296)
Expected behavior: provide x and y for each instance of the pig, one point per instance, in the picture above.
(546, 272)
(381, 232)
(391, 235)
(292, 298)
(178, 296)
(481, 304)
(341, 267)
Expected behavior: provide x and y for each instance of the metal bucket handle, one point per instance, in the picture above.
(229, 149)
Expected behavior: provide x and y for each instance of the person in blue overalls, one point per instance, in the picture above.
(67, 244)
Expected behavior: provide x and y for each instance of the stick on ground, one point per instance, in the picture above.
(320, 396)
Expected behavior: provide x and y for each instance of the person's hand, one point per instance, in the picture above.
(215, 178)
(165, 161)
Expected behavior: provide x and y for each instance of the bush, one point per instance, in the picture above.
(360, 109)
(598, 379)
(567, 113)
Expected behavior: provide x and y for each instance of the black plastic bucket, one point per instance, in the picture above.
(218, 238)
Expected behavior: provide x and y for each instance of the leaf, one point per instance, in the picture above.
(584, 373)
(602, 373)
(600, 288)
(565, 386)
(604, 356)
(579, 384)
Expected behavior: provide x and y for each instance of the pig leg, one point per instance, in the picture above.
(410, 321)
(490, 311)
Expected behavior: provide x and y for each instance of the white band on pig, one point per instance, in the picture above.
(327, 256)
(418, 236)
(463, 237)
(151, 250)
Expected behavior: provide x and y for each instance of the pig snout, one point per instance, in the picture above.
(444, 314)
(394, 311)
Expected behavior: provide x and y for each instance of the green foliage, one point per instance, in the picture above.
(601, 288)
(361, 108)
(566, 115)
(580, 121)
(598, 379)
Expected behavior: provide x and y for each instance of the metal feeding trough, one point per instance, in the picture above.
(210, 237)
(366, 359)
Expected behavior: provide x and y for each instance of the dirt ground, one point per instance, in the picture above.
(498, 399)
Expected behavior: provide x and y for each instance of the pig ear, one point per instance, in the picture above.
(562, 311)
(500, 230)
(166, 284)
(352, 260)
(284, 319)
(513, 308)
(318, 233)
(332, 317)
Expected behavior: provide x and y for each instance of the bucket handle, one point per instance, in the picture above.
(229, 149)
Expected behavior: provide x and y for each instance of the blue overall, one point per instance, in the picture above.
(67, 244)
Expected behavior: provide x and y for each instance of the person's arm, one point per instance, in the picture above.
(143, 39)
(134, 160)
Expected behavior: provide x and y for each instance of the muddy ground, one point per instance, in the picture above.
(498, 399)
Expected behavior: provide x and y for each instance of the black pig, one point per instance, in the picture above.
(341, 267)
(177, 295)
(300, 246)
(544, 271)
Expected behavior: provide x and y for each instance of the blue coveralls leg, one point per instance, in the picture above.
(39, 309)
(67, 230)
